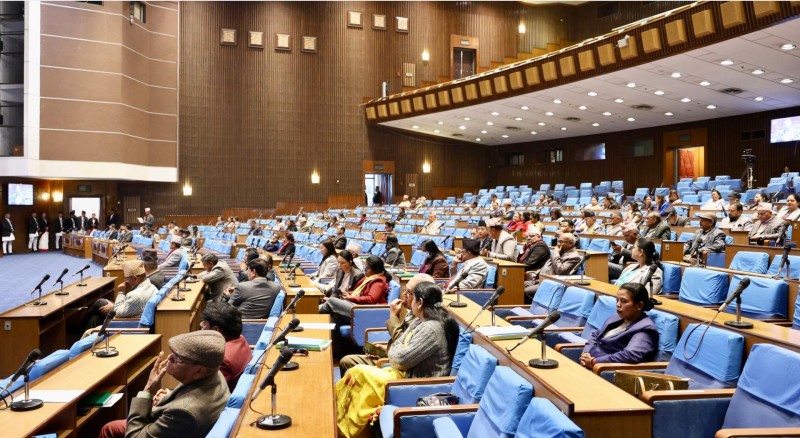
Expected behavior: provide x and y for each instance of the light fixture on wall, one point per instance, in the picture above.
(187, 190)
(58, 196)
(426, 167)
(522, 28)
(45, 196)
(315, 177)
(426, 56)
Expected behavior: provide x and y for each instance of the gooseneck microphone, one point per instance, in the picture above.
(81, 283)
(269, 379)
(648, 279)
(485, 306)
(280, 338)
(102, 334)
(27, 404)
(539, 329)
(60, 282)
(454, 287)
(33, 356)
(737, 295)
(581, 282)
(293, 305)
(38, 287)
(273, 421)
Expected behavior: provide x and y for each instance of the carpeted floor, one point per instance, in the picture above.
(20, 273)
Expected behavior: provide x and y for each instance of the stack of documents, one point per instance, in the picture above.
(503, 333)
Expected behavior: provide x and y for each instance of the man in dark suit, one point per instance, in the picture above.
(254, 298)
(94, 223)
(340, 241)
(7, 234)
(33, 233)
(125, 235)
(72, 223)
(113, 234)
(113, 218)
(82, 224)
(535, 253)
(59, 228)
(44, 233)
(674, 219)
(656, 228)
(621, 254)
(149, 220)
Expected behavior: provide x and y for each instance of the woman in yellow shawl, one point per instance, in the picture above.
(426, 349)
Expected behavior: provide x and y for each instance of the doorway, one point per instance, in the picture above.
(463, 62)
(378, 180)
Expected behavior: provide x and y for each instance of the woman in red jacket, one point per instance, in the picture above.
(372, 289)
(435, 264)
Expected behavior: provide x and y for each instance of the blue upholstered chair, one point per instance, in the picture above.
(505, 399)
(399, 416)
(571, 344)
(363, 317)
(548, 294)
(765, 298)
(703, 286)
(671, 278)
(574, 306)
(224, 425)
(543, 420)
(602, 245)
(50, 362)
(81, 345)
(750, 261)
(239, 394)
(794, 266)
(252, 329)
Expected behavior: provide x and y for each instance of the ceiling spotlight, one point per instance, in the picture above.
(595, 124)
(467, 119)
(686, 100)
(556, 100)
(667, 113)
(549, 113)
(478, 139)
(711, 107)
(758, 98)
(788, 46)
(563, 128)
(495, 113)
(489, 123)
(533, 132)
(415, 127)
(631, 85)
(436, 131)
(519, 119)
(786, 81)
(618, 100)
(658, 93)
(524, 107)
(631, 119)
(582, 107)
(592, 93)
(462, 127)
(726, 62)
(606, 113)
(504, 136)
(758, 71)
(541, 124)
(676, 75)
(484, 132)
(705, 83)
(440, 122)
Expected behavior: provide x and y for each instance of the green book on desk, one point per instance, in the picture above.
(310, 344)
(95, 399)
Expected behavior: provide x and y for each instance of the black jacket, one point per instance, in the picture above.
(33, 225)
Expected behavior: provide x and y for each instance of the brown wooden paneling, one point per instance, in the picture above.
(92, 146)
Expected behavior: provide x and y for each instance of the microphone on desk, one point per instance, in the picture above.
(787, 247)
(737, 295)
(33, 356)
(39, 286)
(581, 282)
(280, 338)
(27, 404)
(273, 421)
(539, 329)
(59, 281)
(293, 306)
(647, 279)
(269, 379)
(81, 274)
(109, 351)
(454, 287)
(485, 306)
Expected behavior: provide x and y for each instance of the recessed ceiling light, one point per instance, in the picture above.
(504, 136)
(631, 119)
(462, 127)
(440, 122)
(631, 85)
(592, 93)
(549, 113)
(415, 127)
(467, 119)
(686, 100)
(489, 123)
(542, 124)
(676, 75)
(563, 128)
(533, 133)
(726, 62)
(519, 119)
(667, 113)
(705, 83)
(786, 81)
(618, 100)
(582, 107)
(658, 93)
(595, 124)
(711, 107)
(556, 100)
(606, 113)
(484, 132)
(758, 98)
(478, 139)
(788, 46)
(524, 107)
(495, 113)
(436, 131)
(758, 71)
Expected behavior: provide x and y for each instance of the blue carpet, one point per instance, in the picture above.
(20, 273)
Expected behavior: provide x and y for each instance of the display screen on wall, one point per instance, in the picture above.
(591, 152)
(785, 129)
(20, 194)
(642, 148)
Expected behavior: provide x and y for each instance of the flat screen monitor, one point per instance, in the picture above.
(785, 129)
(20, 194)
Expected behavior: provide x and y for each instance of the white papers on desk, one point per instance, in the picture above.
(55, 395)
(572, 277)
(503, 333)
(317, 326)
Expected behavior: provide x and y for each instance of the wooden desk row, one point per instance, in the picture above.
(78, 245)
(125, 373)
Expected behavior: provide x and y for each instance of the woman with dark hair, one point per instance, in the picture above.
(536, 222)
(647, 203)
(674, 197)
(661, 203)
(515, 223)
(291, 226)
(373, 288)
(715, 203)
(393, 256)
(609, 203)
(288, 245)
(630, 336)
(435, 264)
(347, 276)
(401, 214)
(555, 215)
(425, 349)
(644, 252)
(328, 265)
(790, 212)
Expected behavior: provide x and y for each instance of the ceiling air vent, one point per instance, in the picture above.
(458, 135)
(642, 107)
(731, 91)
(512, 128)
(573, 119)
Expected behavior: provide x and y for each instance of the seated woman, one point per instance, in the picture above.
(393, 256)
(515, 224)
(435, 264)
(644, 252)
(425, 349)
(288, 245)
(594, 204)
(630, 336)
(372, 289)
(347, 276)
(715, 203)
(329, 263)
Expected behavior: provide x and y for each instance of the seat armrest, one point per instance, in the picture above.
(135, 330)
(603, 367)
(421, 381)
(524, 318)
(399, 413)
(784, 324)
(375, 330)
(405, 392)
(254, 321)
(508, 306)
(758, 432)
(560, 347)
(651, 397)
(563, 329)
(382, 362)
(668, 296)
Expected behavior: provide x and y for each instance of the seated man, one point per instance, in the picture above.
(433, 225)
(273, 244)
(768, 227)
(113, 234)
(254, 298)
(249, 254)
(174, 256)
(340, 241)
(621, 254)
(155, 275)
(503, 246)
(355, 249)
(125, 235)
(218, 276)
(132, 296)
(535, 253)
(706, 239)
(735, 221)
(615, 227)
(192, 408)
(656, 228)
(227, 320)
(589, 225)
(473, 266)
(396, 324)
(674, 219)
(562, 263)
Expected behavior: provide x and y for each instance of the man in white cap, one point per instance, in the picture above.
(355, 249)
(472, 264)
(768, 226)
(707, 239)
(132, 295)
(149, 220)
(174, 256)
(405, 203)
(433, 225)
(192, 408)
(503, 246)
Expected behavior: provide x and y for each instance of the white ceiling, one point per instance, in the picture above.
(757, 50)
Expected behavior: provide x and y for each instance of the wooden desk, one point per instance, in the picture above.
(795, 226)
(310, 302)
(305, 394)
(176, 317)
(45, 327)
(78, 245)
(672, 251)
(762, 332)
(596, 265)
(126, 373)
(511, 276)
(594, 404)
(103, 250)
